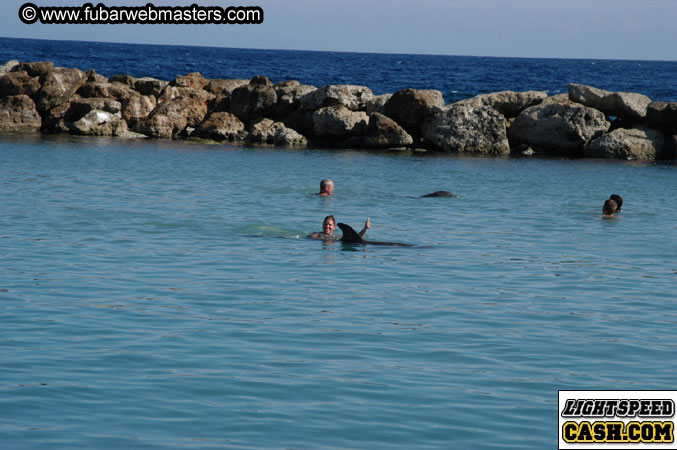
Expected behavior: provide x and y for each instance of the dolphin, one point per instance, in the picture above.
(352, 237)
(440, 194)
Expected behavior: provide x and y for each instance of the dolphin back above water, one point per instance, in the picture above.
(441, 194)
(353, 237)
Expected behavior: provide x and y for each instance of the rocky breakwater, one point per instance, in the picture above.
(39, 97)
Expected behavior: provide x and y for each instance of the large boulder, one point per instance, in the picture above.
(193, 80)
(339, 121)
(253, 101)
(124, 79)
(120, 91)
(508, 103)
(627, 105)
(171, 118)
(149, 86)
(173, 92)
(95, 90)
(99, 123)
(409, 107)
(264, 131)
(289, 137)
(354, 98)
(219, 86)
(18, 83)
(378, 104)
(34, 69)
(58, 86)
(384, 132)
(558, 128)
(663, 116)
(60, 118)
(289, 94)
(221, 126)
(465, 129)
(269, 132)
(636, 143)
(137, 107)
(19, 114)
(558, 99)
(82, 106)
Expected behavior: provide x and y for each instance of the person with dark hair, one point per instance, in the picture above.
(610, 207)
(329, 225)
(326, 188)
(619, 201)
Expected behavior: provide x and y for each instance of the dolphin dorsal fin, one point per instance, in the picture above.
(349, 235)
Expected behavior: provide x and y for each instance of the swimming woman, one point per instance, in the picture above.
(329, 225)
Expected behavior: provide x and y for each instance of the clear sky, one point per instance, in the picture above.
(609, 29)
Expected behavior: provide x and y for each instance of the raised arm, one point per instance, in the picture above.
(367, 225)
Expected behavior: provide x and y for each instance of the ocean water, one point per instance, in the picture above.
(163, 294)
(457, 77)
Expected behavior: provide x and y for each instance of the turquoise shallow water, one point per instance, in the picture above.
(161, 294)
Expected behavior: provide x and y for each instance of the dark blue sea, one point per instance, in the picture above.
(457, 77)
(160, 294)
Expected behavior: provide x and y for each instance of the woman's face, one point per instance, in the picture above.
(328, 226)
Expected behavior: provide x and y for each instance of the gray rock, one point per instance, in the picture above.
(149, 86)
(223, 87)
(260, 80)
(663, 116)
(508, 103)
(465, 129)
(18, 83)
(377, 104)
(264, 131)
(558, 128)
(9, 65)
(253, 101)
(60, 118)
(124, 79)
(81, 107)
(58, 86)
(99, 123)
(137, 107)
(115, 90)
(289, 137)
(637, 143)
(221, 126)
(289, 94)
(339, 121)
(627, 105)
(384, 132)
(173, 92)
(171, 118)
(123, 133)
(409, 107)
(93, 77)
(19, 114)
(95, 90)
(193, 80)
(557, 99)
(34, 69)
(354, 98)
